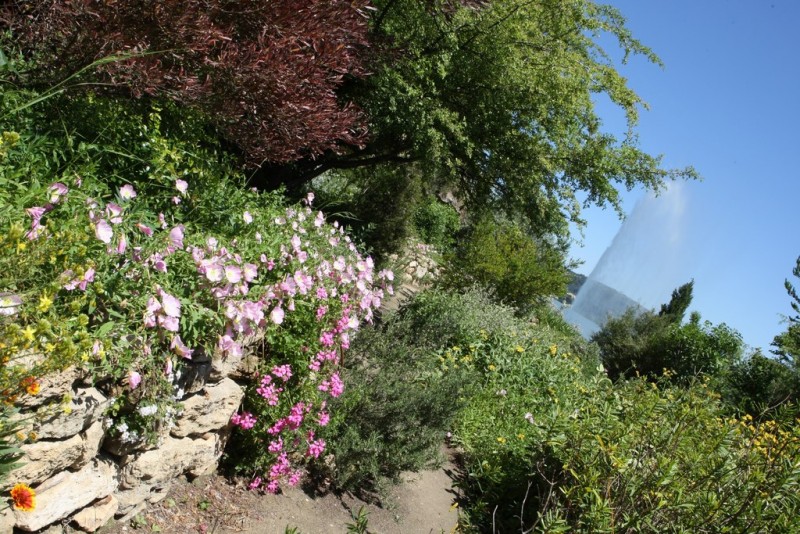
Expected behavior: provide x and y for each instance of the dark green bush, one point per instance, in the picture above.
(647, 344)
(758, 384)
(396, 410)
(437, 224)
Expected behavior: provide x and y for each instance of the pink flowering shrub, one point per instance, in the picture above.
(173, 261)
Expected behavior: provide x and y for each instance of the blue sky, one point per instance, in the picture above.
(728, 103)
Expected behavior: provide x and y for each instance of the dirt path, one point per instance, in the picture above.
(423, 503)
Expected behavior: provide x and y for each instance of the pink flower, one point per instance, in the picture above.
(87, 277)
(57, 191)
(324, 418)
(170, 304)
(168, 323)
(250, 272)
(176, 238)
(122, 244)
(275, 446)
(213, 270)
(103, 231)
(276, 316)
(247, 217)
(181, 186)
(229, 347)
(146, 230)
(180, 349)
(114, 212)
(127, 192)
(255, 484)
(134, 379)
(233, 274)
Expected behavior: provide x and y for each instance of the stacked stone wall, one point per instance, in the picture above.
(84, 477)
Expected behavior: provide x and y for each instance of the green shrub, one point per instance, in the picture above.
(437, 224)
(550, 446)
(758, 384)
(520, 270)
(647, 344)
(397, 410)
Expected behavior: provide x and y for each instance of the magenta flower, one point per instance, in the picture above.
(315, 448)
(284, 372)
(127, 192)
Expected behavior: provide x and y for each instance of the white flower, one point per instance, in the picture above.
(146, 411)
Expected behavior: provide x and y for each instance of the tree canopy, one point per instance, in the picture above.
(496, 100)
(493, 99)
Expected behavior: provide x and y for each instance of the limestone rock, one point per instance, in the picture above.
(87, 405)
(208, 410)
(60, 496)
(92, 438)
(45, 458)
(172, 458)
(98, 514)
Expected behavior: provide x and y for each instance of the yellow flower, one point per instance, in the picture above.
(44, 303)
(519, 348)
(492, 367)
(501, 440)
(553, 350)
(28, 333)
(24, 497)
(520, 436)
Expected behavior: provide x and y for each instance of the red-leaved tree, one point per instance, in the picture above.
(265, 72)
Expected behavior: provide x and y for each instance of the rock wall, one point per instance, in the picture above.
(84, 477)
(415, 269)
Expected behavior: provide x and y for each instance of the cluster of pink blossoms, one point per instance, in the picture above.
(341, 291)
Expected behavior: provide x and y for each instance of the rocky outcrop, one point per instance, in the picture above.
(85, 477)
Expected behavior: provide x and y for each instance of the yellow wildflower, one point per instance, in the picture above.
(28, 333)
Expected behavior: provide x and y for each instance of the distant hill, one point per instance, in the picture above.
(593, 303)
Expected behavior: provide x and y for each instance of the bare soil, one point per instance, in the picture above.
(423, 503)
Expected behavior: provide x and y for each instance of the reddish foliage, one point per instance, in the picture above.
(266, 72)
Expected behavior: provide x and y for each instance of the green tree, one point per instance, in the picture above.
(787, 344)
(681, 299)
(496, 100)
(521, 270)
(648, 343)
